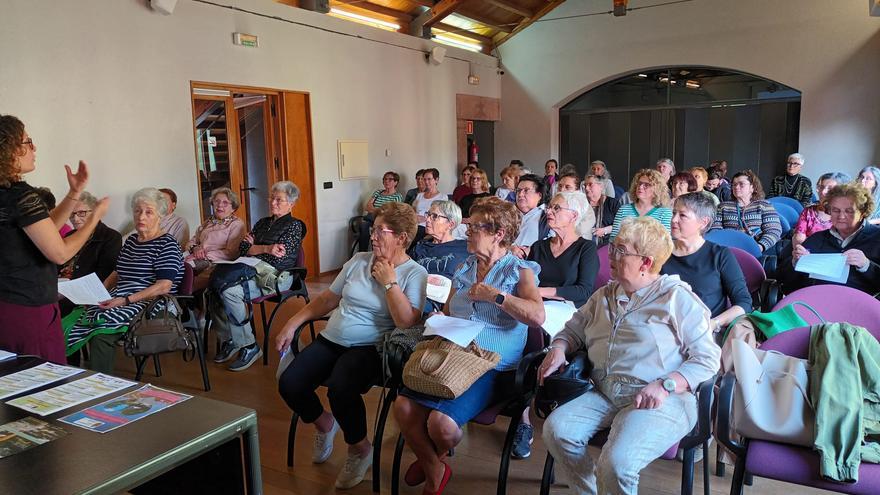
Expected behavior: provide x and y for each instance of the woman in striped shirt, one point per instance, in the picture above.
(650, 199)
(150, 264)
(749, 212)
(388, 194)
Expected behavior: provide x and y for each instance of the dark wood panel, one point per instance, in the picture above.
(696, 139)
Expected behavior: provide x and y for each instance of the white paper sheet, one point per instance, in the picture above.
(457, 330)
(828, 267)
(247, 260)
(4, 355)
(84, 290)
(70, 394)
(35, 377)
(556, 315)
(438, 288)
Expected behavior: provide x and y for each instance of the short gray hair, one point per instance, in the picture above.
(839, 177)
(153, 196)
(667, 160)
(578, 202)
(450, 210)
(700, 204)
(233, 198)
(606, 174)
(87, 199)
(796, 156)
(288, 188)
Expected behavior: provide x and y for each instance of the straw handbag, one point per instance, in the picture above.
(444, 369)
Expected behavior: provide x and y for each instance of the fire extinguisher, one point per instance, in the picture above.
(473, 152)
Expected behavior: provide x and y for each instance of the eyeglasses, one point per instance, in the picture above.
(392, 179)
(646, 185)
(618, 252)
(741, 183)
(279, 200)
(80, 214)
(474, 227)
(376, 232)
(834, 212)
(556, 208)
(795, 164)
(28, 142)
(221, 203)
(434, 216)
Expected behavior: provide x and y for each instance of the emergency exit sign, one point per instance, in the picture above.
(468, 126)
(248, 40)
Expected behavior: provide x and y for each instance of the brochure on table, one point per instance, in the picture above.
(70, 394)
(26, 433)
(35, 377)
(122, 410)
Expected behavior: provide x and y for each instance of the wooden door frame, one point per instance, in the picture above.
(277, 147)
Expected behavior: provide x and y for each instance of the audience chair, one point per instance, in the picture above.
(786, 212)
(735, 238)
(779, 461)
(785, 223)
(354, 226)
(764, 290)
(604, 273)
(185, 299)
(697, 438)
(522, 394)
(836, 303)
(390, 383)
(790, 202)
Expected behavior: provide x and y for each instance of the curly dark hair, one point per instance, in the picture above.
(753, 179)
(11, 136)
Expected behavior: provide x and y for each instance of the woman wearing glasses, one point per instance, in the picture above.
(99, 253)
(499, 290)
(32, 247)
(479, 189)
(440, 252)
(650, 196)
(374, 293)
(648, 338)
(388, 194)
(217, 238)
(749, 212)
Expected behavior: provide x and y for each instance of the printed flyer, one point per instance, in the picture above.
(26, 433)
(70, 394)
(125, 409)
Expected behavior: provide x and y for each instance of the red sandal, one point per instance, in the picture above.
(447, 473)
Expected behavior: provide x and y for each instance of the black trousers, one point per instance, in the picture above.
(348, 373)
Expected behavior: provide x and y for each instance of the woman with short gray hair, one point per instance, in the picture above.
(150, 264)
(814, 218)
(276, 240)
(217, 238)
(711, 270)
(440, 252)
(793, 184)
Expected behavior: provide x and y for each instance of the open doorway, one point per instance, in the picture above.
(247, 139)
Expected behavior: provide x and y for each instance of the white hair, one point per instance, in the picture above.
(152, 196)
(586, 219)
(796, 156)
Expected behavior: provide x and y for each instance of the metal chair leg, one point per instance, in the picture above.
(395, 465)
(201, 353)
(377, 439)
(505, 452)
(291, 439)
(719, 466)
(156, 365)
(739, 471)
(706, 478)
(265, 334)
(140, 362)
(547, 477)
(687, 472)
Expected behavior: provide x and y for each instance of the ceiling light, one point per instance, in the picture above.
(664, 79)
(692, 84)
(370, 21)
(642, 75)
(457, 43)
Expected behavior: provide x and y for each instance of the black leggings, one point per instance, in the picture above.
(348, 372)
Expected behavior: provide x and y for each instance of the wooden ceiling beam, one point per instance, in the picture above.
(489, 23)
(376, 9)
(501, 4)
(423, 3)
(551, 4)
(441, 10)
(485, 40)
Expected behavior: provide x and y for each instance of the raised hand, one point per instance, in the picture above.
(78, 180)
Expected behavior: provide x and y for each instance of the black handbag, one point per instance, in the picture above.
(226, 275)
(150, 333)
(562, 386)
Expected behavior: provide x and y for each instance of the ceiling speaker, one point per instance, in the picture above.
(163, 6)
(438, 53)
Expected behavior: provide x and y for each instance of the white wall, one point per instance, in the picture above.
(108, 81)
(828, 49)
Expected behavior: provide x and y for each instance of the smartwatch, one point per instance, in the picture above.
(499, 299)
(668, 384)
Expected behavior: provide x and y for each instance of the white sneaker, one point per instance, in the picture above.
(324, 444)
(354, 470)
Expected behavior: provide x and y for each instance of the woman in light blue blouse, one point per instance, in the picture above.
(500, 291)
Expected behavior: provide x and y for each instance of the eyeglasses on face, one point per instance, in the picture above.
(28, 142)
(617, 252)
(556, 208)
(278, 200)
(376, 232)
(835, 212)
(478, 227)
(221, 203)
(434, 216)
(645, 185)
(80, 214)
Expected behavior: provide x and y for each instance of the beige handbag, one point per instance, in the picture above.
(770, 399)
(444, 369)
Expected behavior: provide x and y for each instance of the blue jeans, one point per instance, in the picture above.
(638, 436)
(234, 310)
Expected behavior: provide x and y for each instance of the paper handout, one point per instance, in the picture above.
(457, 330)
(122, 410)
(828, 267)
(70, 394)
(247, 260)
(557, 314)
(84, 290)
(438, 288)
(36, 377)
(26, 433)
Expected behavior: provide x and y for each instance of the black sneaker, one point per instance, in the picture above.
(246, 357)
(522, 441)
(227, 351)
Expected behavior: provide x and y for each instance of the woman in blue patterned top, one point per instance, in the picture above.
(499, 290)
(650, 198)
(150, 264)
(749, 212)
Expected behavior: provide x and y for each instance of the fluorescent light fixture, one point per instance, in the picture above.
(370, 21)
(664, 79)
(642, 75)
(692, 84)
(210, 92)
(458, 43)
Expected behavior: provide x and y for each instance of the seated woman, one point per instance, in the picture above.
(568, 261)
(650, 197)
(99, 253)
(217, 238)
(702, 176)
(869, 177)
(711, 270)
(464, 186)
(682, 183)
(662, 350)
(717, 185)
(604, 208)
(276, 240)
(172, 223)
(374, 293)
(387, 194)
(813, 218)
(499, 290)
(509, 180)
(851, 234)
(569, 182)
(440, 252)
(479, 189)
(150, 264)
(749, 212)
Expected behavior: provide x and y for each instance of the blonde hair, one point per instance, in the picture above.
(857, 193)
(661, 190)
(648, 237)
(482, 174)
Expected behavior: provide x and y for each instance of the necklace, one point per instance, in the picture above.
(786, 188)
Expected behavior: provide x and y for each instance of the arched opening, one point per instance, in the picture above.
(693, 115)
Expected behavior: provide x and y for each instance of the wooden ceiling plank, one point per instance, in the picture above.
(551, 4)
(489, 23)
(501, 4)
(441, 10)
(485, 40)
(376, 9)
(422, 3)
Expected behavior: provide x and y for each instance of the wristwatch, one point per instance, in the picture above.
(499, 299)
(389, 286)
(668, 384)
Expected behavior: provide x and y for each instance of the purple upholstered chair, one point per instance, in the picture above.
(779, 461)
(604, 273)
(836, 303)
(764, 291)
(734, 238)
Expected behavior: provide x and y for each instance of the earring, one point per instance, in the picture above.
(642, 274)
